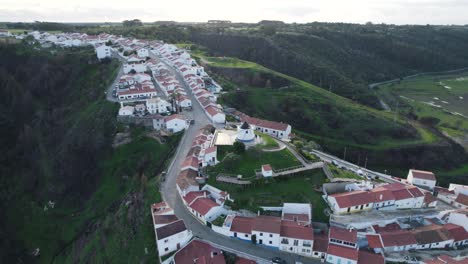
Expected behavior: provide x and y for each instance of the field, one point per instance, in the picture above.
(340, 173)
(443, 97)
(252, 159)
(275, 192)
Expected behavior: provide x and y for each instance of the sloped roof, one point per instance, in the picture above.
(366, 257)
(321, 243)
(203, 205)
(458, 232)
(199, 250)
(294, 230)
(425, 175)
(344, 252)
(463, 199)
(431, 234)
(170, 229)
(270, 224)
(355, 198)
(343, 234)
(242, 224)
(398, 238)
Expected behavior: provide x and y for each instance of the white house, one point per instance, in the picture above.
(240, 227)
(458, 217)
(351, 202)
(341, 255)
(172, 237)
(215, 115)
(137, 67)
(300, 213)
(205, 209)
(266, 230)
(433, 236)
(425, 179)
(275, 129)
(209, 156)
(267, 171)
(296, 238)
(158, 106)
(126, 110)
(143, 52)
(103, 51)
(458, 233)
(184, 102)
(175, 123)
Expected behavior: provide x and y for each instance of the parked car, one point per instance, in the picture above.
(278, 260)
(334, 162)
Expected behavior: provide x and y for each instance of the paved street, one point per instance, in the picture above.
(171, 196)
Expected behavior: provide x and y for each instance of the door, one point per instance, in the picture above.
(362, 206)
(178, 245)
(260, 241)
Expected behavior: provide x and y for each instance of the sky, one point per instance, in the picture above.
(300, 11)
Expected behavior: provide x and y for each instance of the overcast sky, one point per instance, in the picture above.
(357, 11)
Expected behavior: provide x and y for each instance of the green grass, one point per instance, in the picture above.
(260, 100)
(339, 173)
(412, 93)
(268, 141)
(275, 192)
(253, 158)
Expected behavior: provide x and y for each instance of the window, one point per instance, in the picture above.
(165, 240)
(270, 242)
(166, 249)
(246, 235)
(271, 235)
(296, 242)
(261, 234)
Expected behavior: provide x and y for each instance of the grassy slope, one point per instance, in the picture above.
(308, 89)
(252, 160)
(275, 192)
(124, 230)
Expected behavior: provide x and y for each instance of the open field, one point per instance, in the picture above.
(252, 159)
(275, 192)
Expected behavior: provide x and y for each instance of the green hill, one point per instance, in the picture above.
(394, 144)
(56, 142)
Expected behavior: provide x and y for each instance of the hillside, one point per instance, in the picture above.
(56, 140)
(333, 121)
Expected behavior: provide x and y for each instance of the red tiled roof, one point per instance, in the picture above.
(203, 205)
(443, 190)
(296, 217)
(210, 150)
(266, 167)
(343, 252)
(402, 194)
(387, 228)
(186, 178)
(425, 175)
(355, 198)
(172, 117)
(398, 238)
(463, 199)
(211, 110)
(190, 161)
(164, 219)
(431, 234)
(320, 243)
(191, 196)
(429, 198)
(294, 230)
(458, 232)
(170, 229)
(374, 241)
(366, 257)
(264, 123)
(270, 224)
(196, 250)
(382, 194)
(415, 191)
(242, 224)
(343, 234)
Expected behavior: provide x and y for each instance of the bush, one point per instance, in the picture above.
(239, 147)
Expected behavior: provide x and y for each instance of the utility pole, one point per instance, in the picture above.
(359, 159)
(344, 155)
(365, 164)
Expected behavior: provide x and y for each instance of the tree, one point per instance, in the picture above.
(239, 147)
(268, 30)
(132, 23)
(109, 43)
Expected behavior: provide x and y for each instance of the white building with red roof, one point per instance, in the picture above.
(198, 252)
(184, 102)
(267, 171)
(142, 52)
(209, 156)
(175, 123)
(266, 230)
(424, 179)
(190, 163)
(205, 209)
(240, 227)
(215, 115)
(158, 106)
(340, 255)
(351, 202)
(296, 238)
(395, 240)
(272, 128)
(103, 51)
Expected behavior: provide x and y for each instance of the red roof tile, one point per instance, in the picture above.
(387, 228)
(374, 241)
(170, 229)
(343, 234)
(199, 250)
(293, 230)
(211, 110)
(190, 161)
(398, 238)
(429, 198)
(458, 232)
(242, 224)
(266, 167)
(425, 175)
(320, 243)
(343, 252)
(191, 196)
(240, 260)
(270, 224)
(203, 205)
(264, 123)
(463, 199)
(355, 198)
(164, 219)
(172, 117)
(366, 257)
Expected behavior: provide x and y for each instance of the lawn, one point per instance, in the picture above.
(275, 192)
(340, 173)
(252, 159)
(268, 141)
